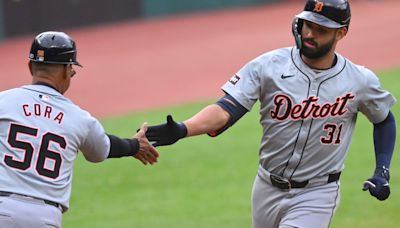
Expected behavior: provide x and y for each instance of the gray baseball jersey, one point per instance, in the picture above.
(307, 117)
(41, 133)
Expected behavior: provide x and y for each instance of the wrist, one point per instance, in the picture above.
(134, 146)
(182, 130)
(382, 172)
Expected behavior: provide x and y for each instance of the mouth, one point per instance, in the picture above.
(309, 44)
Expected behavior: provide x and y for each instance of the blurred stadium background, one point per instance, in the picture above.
(131, 44)
(19, 17)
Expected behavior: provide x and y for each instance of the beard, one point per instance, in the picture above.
(318, 51)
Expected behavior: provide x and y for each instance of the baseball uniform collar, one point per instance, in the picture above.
(43, 88)
(310, 72)
(45, 84)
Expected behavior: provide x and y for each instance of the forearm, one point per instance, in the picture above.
(384, 141)
(210, 119)
(122, 147)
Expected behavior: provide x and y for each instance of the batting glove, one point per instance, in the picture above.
(378, 185)
(166, 134)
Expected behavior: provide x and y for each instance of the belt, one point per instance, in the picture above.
(7, 194)
(285, 184)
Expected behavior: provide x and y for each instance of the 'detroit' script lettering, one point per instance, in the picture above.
(309, 108)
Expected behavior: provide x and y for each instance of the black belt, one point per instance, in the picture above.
(282, 183)
(45, 201)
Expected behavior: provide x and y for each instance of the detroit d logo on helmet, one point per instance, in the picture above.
(40, 55)
(318, 6)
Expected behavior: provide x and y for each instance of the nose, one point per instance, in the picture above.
(307, 32)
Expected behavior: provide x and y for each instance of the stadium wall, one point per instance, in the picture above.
(19, 17)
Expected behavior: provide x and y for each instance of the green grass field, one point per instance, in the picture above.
(206, 182)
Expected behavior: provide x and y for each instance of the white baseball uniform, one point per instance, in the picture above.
(308, 119)
(41, 133)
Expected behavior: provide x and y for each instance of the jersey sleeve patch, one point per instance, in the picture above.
(234, 79)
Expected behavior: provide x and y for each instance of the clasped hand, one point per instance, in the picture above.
(167, 133)
(147, 154)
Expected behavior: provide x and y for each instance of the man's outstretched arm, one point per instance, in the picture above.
(212, 120)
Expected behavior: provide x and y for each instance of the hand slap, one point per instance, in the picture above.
(147, 154)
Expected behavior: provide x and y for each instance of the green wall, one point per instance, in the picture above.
(167, 7)
(2, 33)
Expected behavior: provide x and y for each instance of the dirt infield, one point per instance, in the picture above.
(140, 65)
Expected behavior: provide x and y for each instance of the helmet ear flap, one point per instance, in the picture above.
(297, 25)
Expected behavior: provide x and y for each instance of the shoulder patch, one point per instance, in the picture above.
(234, 79)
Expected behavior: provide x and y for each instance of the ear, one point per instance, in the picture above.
(341, 33)
(65, 71)
(30, 67)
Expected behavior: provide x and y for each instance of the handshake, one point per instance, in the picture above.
(159, 135)
(378, 185)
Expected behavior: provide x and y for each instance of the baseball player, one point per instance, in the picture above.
(41, 134)
(310, 97)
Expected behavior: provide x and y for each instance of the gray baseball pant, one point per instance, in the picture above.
(308, 207)
(23, 211)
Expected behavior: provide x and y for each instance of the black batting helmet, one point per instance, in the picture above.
(54, 48)
(328, 13)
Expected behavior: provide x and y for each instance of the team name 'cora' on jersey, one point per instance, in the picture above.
(309, 108)
(44, 111)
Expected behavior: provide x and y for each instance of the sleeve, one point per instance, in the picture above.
(245, 86)
(96, 145)
(122, 147)
(375, 102)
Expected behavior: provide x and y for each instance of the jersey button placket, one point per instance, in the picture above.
(298, 150)
(303, 135)
(314, 86)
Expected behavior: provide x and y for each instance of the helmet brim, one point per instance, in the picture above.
(319, 19)
(78, 64)
(52, 62)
